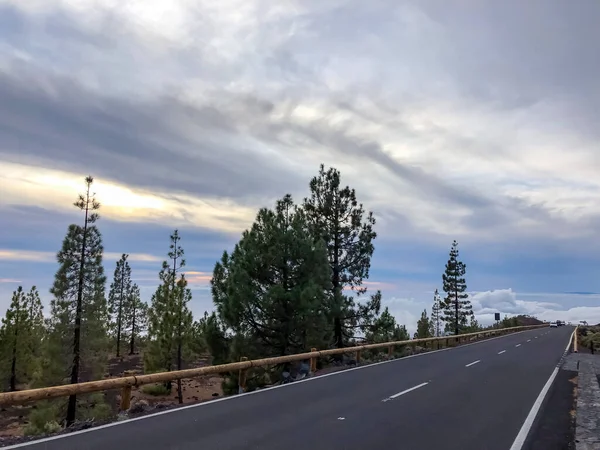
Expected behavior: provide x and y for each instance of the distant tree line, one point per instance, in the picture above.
(295, 280)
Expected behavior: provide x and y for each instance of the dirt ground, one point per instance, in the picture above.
(195, 390)
(14, 418)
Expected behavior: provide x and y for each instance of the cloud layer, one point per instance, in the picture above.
(476, 121)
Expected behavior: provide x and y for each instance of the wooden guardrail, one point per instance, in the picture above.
(127, 382)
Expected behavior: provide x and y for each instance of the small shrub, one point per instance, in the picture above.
(42, 421)
(156, 390)
(589, 338)
(98, 411)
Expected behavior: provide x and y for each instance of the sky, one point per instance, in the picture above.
(467, 120)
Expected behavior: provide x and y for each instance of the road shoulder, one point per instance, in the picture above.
(554, 429)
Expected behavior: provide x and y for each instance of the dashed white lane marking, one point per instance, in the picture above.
(474, 362)
(536, 337)
(341, 418)
(501, 352)
(528, 340)
(518, 345)
(391, 397)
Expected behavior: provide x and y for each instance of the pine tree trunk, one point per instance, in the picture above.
(179, 390)
(338, 333)
(13, 365)
(132, 340)
(72, 406)
(456, 313)
(119, 317)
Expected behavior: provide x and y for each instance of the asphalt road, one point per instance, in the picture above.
(474, 397)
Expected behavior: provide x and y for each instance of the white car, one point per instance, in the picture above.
(553, 325)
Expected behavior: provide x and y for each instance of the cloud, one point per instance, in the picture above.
(239, 135)
(15, 255)
(507, 302)
(198, 278)
(9, 280)
(504, 301)
(119, 202)
(194, 114)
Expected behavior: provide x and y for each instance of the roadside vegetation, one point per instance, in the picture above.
(589, 338)
(295, 280)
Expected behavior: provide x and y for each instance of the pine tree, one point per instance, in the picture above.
(385, 329)
(341, 222)
(79, 313)
(86, 319)
(434, 322)
(37, 331)
(158, 355)
(456, 307)
(270, 291)
(423, 326)
(209, 332)
(183, 326)
(474, 326)
(170, 321)
(135, 316)
(120, 294)
(20, 337)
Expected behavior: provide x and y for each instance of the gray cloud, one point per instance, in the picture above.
(199, 135)
(56, 122)
(71, 128)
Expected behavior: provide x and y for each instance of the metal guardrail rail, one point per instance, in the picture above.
(127, 382)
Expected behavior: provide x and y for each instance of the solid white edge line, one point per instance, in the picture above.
(406, 391)
(535, 409)
(233, 397)
(501, 352)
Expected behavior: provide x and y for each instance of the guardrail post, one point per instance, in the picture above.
(390, 351)
(126, 393)
(242, 377)
(313, 361)
(357, 357)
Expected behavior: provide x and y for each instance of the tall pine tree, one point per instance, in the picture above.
(456, 307)
(79, 313)
(170, 321)
(336, 217)
(184, 326)
(135, 316)
(434, 321)
(271, 289)
(37, 333)
(423, 326)
(120, 294)
(21, 334)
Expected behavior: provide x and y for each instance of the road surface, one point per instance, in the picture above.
(474, 397)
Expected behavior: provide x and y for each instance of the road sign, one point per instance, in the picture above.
(497, 316)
